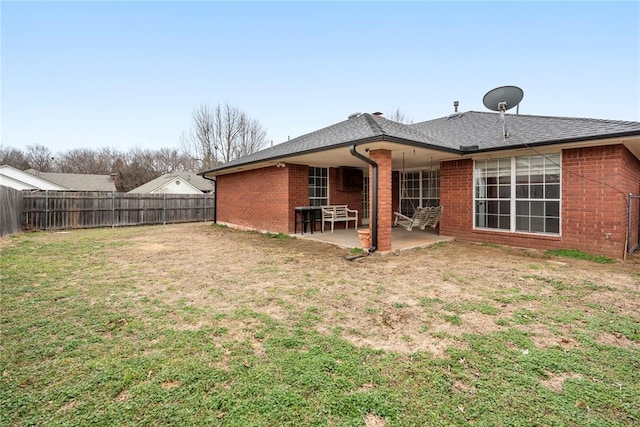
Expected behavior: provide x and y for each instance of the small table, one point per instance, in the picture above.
(308, 215)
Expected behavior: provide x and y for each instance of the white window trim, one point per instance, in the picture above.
(512, 199)
(328, 189)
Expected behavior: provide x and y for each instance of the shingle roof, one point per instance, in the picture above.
(78, 181)
(486, 129)
(447, 134)
(192, 178)
(24, 180)
(362, 128)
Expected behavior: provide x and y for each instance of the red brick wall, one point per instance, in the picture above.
(256, 198)
(385, 200)
(595, 203)
(265, 198)
(351, 198)
(456, 197)
(630, 183)
(590, 207)
(298, 191)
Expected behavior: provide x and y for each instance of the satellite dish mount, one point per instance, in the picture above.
(501, 99)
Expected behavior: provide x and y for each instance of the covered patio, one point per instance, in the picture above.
(401, 239)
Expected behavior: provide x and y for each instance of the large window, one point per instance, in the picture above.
(493, 193)
(538, 194)
(518, 194)
(419, 189)
(318, 186)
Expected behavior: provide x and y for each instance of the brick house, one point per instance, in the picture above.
(527, 181)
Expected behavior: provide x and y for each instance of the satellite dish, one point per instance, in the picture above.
(503, 98)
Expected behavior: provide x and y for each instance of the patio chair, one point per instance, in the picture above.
(420, 216)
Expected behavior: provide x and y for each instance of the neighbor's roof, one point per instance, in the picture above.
(455, 133)
(23, 180)
(192, 178)
(77, 181)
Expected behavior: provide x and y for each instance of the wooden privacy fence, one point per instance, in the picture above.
(10, 210)
(56, 210)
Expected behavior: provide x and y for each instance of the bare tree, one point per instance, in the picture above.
(200, 141)
(13, 157)
(399, 116)
(228, 119)
(221, 134)
(171, 160)
(40, 158)
(135, 169)
(110, 155)
(86, 161)
(252, 137)
(132, 168)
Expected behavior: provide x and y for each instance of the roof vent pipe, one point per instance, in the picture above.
(455, 106)
(374, 196)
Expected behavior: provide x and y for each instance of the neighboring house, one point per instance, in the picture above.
(22, 180)
(176, 183)
(553, 182)
(77, 181)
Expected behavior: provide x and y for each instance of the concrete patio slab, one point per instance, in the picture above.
(401, 239)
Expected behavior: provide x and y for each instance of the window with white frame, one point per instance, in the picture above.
(518, 194)
(318, 186)
(537, 184)
(431, 187)
(419, 189)
(493, 193)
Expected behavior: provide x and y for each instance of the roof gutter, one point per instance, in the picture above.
(374, 196)
(215, 198)
(473, 149)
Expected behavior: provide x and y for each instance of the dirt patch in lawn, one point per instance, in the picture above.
(415, 300)
(556, 382)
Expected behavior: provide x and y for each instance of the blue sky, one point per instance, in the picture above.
(129, 74)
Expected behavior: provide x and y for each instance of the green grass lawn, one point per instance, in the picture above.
(83, 343)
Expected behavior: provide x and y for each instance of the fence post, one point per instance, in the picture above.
(113, 209)
(164, 208)
(46, 209)
(205, 206)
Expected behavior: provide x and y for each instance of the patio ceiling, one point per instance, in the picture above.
(414, 157)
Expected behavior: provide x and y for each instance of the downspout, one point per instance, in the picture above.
(215, 198)
(374, 196)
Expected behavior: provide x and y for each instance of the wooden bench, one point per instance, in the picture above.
(338, 213)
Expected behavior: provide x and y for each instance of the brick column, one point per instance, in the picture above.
(385, 208)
